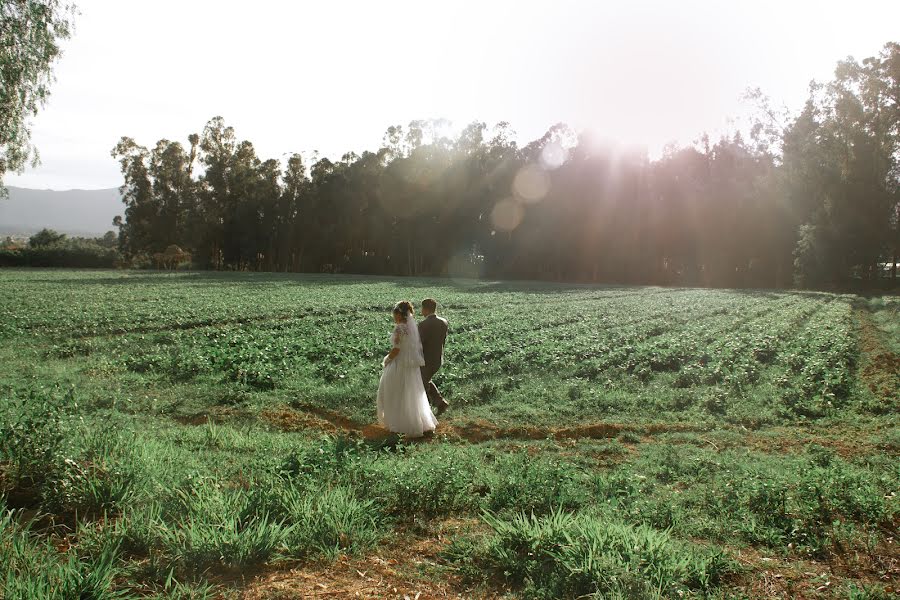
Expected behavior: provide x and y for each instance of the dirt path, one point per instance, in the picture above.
(409, 567)
(301, 416)
(771, 575)
(778, 440)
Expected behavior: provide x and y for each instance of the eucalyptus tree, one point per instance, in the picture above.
(137, 227)
(174, 193)
(217, 146)
(842, 161)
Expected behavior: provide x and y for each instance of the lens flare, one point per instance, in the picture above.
(553, 156)
(507, 215)
(531, 183)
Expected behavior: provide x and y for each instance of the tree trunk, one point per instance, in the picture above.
(409, 267)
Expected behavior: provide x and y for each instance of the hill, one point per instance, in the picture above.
(74, 212)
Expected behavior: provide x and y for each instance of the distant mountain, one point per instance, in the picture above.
(75, 212)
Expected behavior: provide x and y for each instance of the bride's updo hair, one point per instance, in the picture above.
(404, 308)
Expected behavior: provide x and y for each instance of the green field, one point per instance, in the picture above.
(200, 435)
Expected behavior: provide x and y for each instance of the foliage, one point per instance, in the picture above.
(749, 358)
(45, 237)
(30, 36)
(103, 475)
(812, 504)
(841, 167)
(535, 485)
(428, 484)
(50, 249)
(32, 435)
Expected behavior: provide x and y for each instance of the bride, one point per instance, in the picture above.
(402, 403)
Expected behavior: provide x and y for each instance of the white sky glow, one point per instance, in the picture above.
(332, 76)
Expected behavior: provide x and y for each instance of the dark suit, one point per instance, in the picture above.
(433, 333)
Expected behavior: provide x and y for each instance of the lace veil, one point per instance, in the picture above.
(413, 350)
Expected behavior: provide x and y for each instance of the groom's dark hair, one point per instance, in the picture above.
(429, 304)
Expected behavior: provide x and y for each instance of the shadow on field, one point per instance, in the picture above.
(204, 277)
(404, 285)
(510, 287)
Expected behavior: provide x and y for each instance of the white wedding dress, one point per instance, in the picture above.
(402, 403)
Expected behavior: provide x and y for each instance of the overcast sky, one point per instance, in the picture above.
(332, 76)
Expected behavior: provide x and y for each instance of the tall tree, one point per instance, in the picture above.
(217, 147)
(173, 192)
(842, 155)
(293, 215)
(136, 231)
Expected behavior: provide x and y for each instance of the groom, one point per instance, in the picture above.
(433, 333)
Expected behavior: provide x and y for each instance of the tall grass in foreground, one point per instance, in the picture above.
(161, 507)
(32, 568)
(564, 555)
(216, 525)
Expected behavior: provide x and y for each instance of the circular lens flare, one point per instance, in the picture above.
(553, 156)
(507, 215)
(531, 183)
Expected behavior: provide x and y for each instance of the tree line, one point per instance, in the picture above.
(809, 199)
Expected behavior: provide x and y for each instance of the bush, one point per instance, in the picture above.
(67, 253)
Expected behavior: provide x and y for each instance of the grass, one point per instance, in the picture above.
(180, 436)
(575, 556)
(31, 567)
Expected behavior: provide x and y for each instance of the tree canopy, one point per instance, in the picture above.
(30, 36)
(45, 237)
(815, 198)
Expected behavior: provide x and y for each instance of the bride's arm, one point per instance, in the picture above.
(391, 355)
(395, 350)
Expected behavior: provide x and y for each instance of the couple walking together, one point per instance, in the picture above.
(405, 390)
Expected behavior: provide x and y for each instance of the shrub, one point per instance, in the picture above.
(67, 253)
